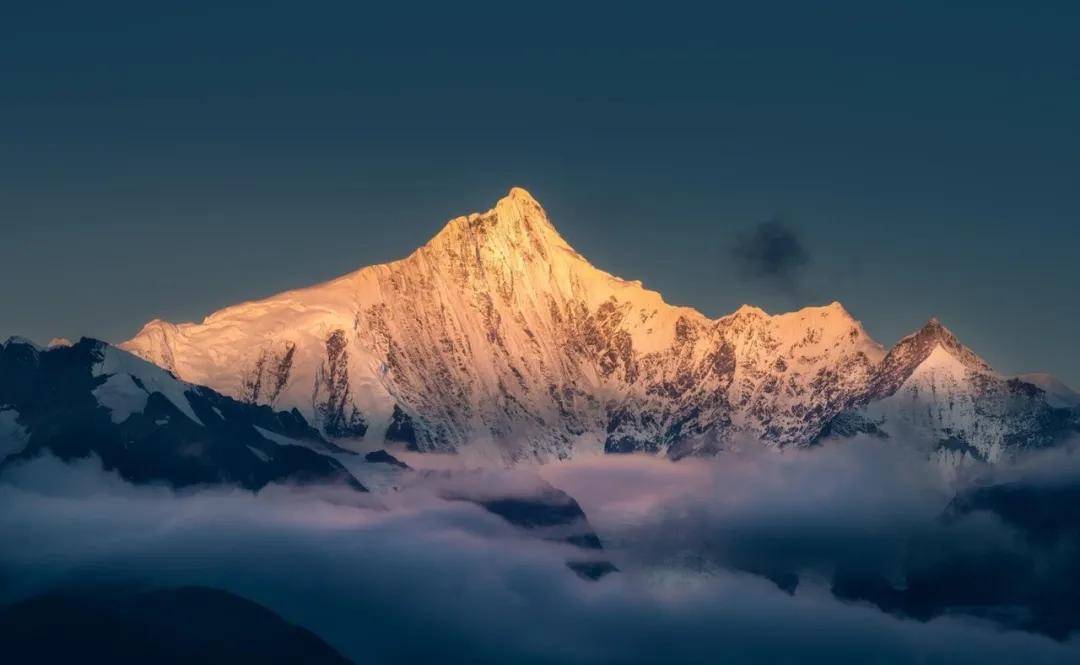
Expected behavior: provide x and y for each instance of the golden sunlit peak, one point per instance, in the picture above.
(521, 194)
(515, 223)
(519, 203)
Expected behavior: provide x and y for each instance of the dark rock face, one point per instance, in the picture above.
(554, 515)
(591, 570)
(269, 375)
(1043, 514)
(955, 444)
(849, 424)
(182, 625)
(1030, 583)
(53, 393)
(401, 428)
(332, 397)
(547, 511)
(383, 457)
(625, 445)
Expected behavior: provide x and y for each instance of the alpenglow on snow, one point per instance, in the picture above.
(497, 338)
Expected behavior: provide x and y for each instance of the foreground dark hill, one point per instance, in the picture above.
(121, 626)
(94, 399)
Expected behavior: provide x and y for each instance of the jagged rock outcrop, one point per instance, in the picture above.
(401, 428)
(331, 397)
(269, 374)
(498, 338)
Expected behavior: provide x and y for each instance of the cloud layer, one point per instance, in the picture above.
(407, 576)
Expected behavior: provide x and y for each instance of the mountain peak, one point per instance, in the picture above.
(747, 310)
(911, 351)
(521, 194)
(517, 226)
(934, 329)
(933, 334)
(518, 207)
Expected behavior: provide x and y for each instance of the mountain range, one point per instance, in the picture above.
(497, 339)
(140, 421)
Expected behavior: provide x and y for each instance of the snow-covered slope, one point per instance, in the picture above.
(498, 338)
(932, 389)
(497, 334)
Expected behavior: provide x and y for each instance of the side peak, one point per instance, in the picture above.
(932, 329)
(936, 328)
(934, 334)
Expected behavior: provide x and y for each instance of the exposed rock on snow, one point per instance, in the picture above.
(92, 399)
(498, 338)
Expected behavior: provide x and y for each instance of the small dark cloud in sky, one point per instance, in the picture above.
(772, 251)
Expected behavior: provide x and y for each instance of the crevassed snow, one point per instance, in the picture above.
(12, 435)
(123, 396)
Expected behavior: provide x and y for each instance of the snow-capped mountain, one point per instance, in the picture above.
(933, 388)
(90, 398)
(498, 338)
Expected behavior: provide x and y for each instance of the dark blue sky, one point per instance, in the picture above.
(166, 162)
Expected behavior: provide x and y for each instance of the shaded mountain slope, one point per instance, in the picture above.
(93, 399)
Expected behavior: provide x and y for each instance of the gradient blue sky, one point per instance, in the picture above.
(166, 162)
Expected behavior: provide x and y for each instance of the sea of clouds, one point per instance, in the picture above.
(721, 560)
